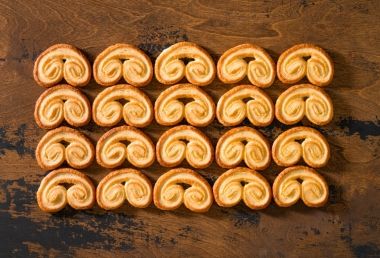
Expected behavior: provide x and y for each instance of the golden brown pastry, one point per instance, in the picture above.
(314, 149)
(245, 101)
(243, 143)
(184, 142)
(170, 67)
(287, 188)
(62, 61)
(62, 102)
(123, 60)
(232, 67)
(65, 186)
(108, 111)
(305, 60)
(169, 110)
(64, 144)
(304, 100)
(124, 142)
(169, 192)
(124, 184)
(244, 184)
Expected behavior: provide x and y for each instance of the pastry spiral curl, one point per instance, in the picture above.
(170, 67)
(232, 67)
(184, 142)
(59, 103)
(314, 149)
(137, 111)
(318, 68)
(54, 192)
(62, 61)
(169, 192)
(124, 184)
(245, 101)
(169, 110)
(112, 149)
(243, 143)
(64, 144)
(242, 183)
(304, 100)
(123, 60)
(287, 188)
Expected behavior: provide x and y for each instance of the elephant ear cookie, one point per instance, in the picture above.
(314, 149)
(123, 60)
(300, 182)
(170, 110)
(121, 185)
(169, 192)
(305, 60)
(62, 102)
(243, 144)
(62, 61)
(184, 142)
(170, 67)
(65, 186)
(232, 67)
(244, 184)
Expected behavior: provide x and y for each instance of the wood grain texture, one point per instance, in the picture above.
(348, 226)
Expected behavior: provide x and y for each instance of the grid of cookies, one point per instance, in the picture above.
(128, 145)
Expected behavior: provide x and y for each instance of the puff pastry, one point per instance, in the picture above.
(292, 65)
(62, 61)
(124, 184)
(304, 100)
(232, 67)
(245, 101)
(64, 144)
(65, 186)
(59, 103)
(170, 67)
(169, 110)
(184, 142)
(169, 192)
(124, 142)
(287, 188)
(108, 111)
(244, 184)
(123, 60)
(314, 149)
(243, 143)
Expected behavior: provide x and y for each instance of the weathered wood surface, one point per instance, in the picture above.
(348, 226)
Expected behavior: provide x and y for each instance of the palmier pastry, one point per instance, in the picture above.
(243, 143)
(65, 186)
(59, 103)
(304, 100)
(125, 142)
(64, 144)
(292, 65)
(287, 188)
(62, 61)
(124, 184)
(123, 60)
(242, 183)
(232, 67)
(245, 101)
(169, 192)
(108, 111)
(184, 142)
(170, 67)
(314, 149)
(169, 110)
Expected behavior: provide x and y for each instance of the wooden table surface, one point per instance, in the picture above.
(348, 225)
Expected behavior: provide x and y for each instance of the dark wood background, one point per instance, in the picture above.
(348, 226)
